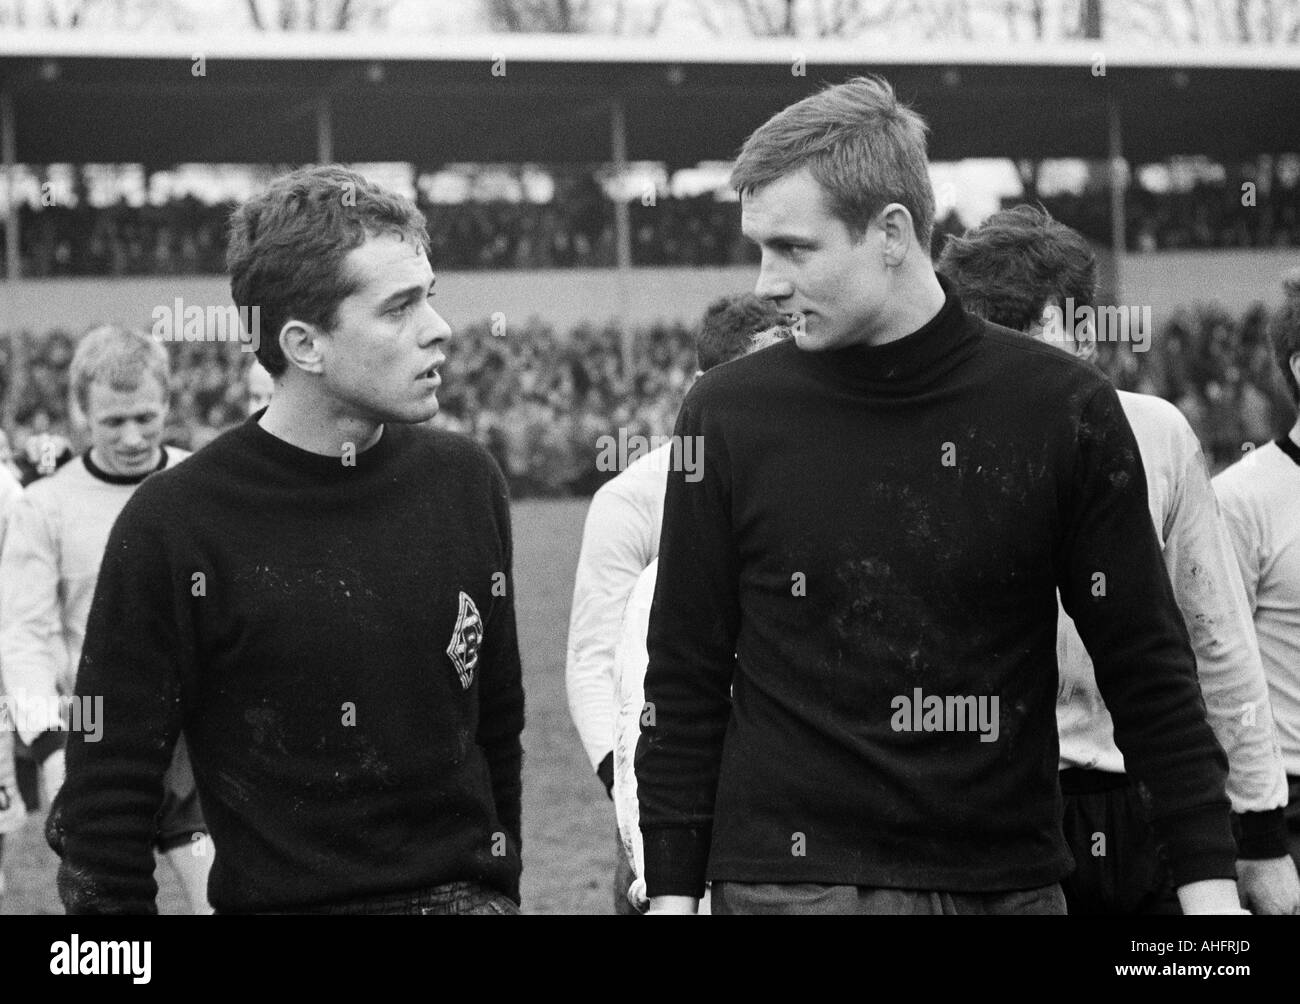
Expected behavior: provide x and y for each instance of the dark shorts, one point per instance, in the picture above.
(1292, 813)
(1120, 866)
(810, 898)
(452, 899)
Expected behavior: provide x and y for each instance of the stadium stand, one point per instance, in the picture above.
(539, 399)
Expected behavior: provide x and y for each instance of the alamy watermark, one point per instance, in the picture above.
(666, 453)
(32, 715)
(197, 323)
(75, 957)
(953, 713)
(1117, 324)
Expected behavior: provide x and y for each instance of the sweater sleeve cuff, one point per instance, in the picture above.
(606, 773)
(47, 744)
(1260, 835)
(675, 861)
(1200, 844)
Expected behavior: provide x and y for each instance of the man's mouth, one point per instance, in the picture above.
(797, 322)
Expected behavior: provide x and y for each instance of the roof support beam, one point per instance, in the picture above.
(324, 131)
(1117, 172)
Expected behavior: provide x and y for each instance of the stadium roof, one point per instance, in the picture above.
(266, 98)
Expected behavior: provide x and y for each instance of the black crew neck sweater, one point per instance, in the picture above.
(883, 523)
(313, 627)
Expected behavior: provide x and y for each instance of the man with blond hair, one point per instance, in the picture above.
(1260, 495)
(57, 533)
(852, 659)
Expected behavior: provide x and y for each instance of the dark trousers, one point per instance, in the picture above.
(1120, 866)
(810, 898)
(452, 899)
(1292, 812)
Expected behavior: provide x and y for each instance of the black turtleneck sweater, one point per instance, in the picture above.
(880, 523)
(312, 626)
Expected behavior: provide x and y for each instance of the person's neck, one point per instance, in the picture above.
(100, 461)
(1295, 431)
(303, 420)
(916, 297)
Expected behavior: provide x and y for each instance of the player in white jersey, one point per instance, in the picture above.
(13, 813)
(630, 713)
(1260, 496)
(1020, 268)
(54, 544)
(620, 538)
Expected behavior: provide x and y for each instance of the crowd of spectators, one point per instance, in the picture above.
(541, 400)
(1207, 216)
(576, 230)
(184, 236)
(188, 237)
(1221, 373)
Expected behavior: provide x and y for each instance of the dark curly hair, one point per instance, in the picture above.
(288, 245)
(729, 326)
(1007, 268)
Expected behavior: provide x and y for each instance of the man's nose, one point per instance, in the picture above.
(772, 285)
(436, 330)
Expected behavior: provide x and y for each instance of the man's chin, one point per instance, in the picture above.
(124, 468)
(809, 342)
(421, 413)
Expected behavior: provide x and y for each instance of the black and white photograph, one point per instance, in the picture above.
(650, 457)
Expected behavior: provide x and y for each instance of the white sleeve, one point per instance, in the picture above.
(31, 631)
(630, 662)
(616, 547)
(13, 813)
(1207, 584)
(1245, 536)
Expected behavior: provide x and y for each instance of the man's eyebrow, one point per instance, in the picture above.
(780, 237)
(407, 293)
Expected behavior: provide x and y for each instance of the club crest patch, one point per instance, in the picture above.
(465, 641)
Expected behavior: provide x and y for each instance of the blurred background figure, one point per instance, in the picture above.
(260, 387)
(620, 539)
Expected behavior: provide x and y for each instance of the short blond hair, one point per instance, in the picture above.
(119, 357)
(860, 143)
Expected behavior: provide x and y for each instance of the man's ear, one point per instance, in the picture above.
(1050, 325)
(899, 236)
(1085, 342)
(301, 344)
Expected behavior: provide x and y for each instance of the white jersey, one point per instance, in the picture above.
(1203, 570)
(1260, 496)
(57, 533)
(631, 660)
(620, 539)
(12, 811)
